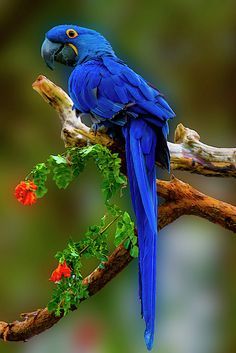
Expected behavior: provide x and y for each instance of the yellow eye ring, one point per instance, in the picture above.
(71, 33)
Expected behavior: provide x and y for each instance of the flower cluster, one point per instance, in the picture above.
(61, 270)
(25, 192)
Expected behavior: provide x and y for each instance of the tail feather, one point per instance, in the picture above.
(137, 203)
(140, 155)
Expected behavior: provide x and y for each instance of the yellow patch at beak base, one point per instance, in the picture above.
(74, 48)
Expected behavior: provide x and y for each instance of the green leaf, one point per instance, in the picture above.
(62, 175)
(52, 305)
(118, 240)
(127, 243)
(59, 159)
(60, 256)
(134, 251)
(126, 218)
(58, 311)
(40, 173)
(133, 239)
(41, 190)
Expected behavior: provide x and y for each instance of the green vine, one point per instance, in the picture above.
(64, 168)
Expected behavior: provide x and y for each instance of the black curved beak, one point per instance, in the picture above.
(49, 50)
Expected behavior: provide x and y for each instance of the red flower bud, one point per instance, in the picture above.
(25, 192)
(61, 270)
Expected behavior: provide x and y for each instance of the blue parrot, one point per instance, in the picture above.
(115, 96)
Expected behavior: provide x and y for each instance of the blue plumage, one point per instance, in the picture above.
(104, 86)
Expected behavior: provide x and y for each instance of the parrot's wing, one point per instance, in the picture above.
(109, 86)
(93, 90)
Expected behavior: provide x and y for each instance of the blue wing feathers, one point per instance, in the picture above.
(131, 77)
(113, 66)
(118, 85)
(117, 81)
(122, 94)
(163, 103)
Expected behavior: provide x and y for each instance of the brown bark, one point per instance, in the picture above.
(183, 199)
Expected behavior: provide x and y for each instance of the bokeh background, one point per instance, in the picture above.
(188, 49)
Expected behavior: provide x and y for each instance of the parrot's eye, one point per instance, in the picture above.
(71, 33)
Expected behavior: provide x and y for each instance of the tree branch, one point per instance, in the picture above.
(187, 153)
(181, 198)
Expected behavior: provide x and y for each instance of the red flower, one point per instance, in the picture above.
(25, 192)
(61, 270)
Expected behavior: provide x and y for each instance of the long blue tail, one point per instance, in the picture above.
(140, 154)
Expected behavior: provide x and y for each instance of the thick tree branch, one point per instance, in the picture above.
(188, 153)
(181, 199)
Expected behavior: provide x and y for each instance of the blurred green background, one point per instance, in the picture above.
(185, 47)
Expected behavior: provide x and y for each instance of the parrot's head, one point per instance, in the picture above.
(70, 44)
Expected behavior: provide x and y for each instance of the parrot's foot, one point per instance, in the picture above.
(98, 127)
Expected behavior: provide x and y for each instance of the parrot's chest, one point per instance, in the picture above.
(83, 87)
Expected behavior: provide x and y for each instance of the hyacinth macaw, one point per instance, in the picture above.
(114, 95)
